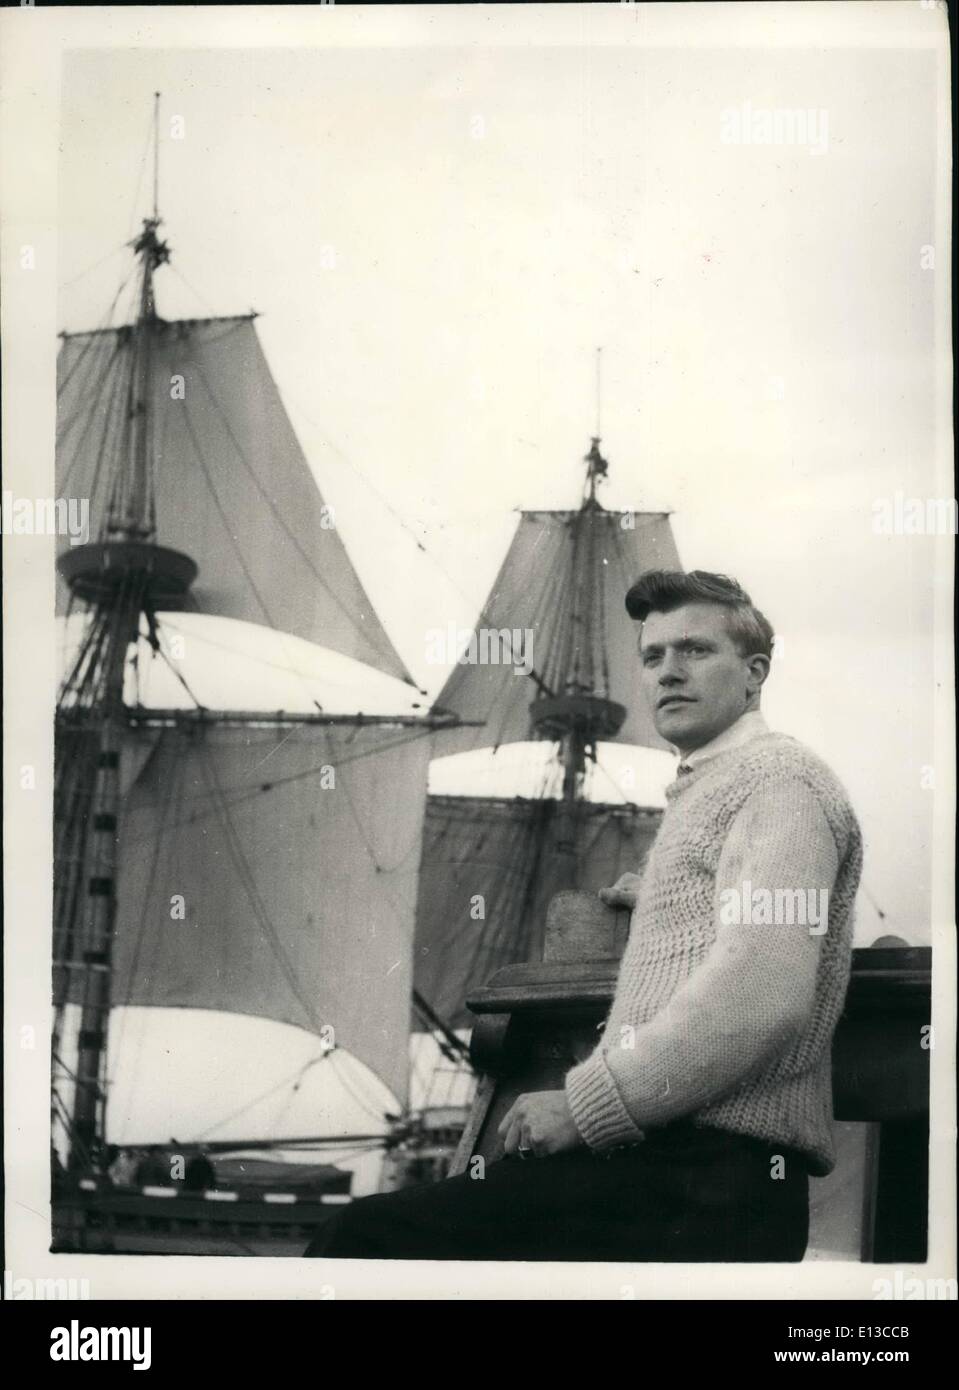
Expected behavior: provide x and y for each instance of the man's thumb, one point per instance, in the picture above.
(618, 897)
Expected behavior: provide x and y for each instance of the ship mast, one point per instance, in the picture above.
(120, 576)
(577, 715)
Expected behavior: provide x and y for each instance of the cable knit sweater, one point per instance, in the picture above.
(719, 1016)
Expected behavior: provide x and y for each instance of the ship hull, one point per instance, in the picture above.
(138, 1223)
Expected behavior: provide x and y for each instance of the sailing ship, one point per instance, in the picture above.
(252, 862)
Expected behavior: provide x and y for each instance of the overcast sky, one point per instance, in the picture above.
(438, 239)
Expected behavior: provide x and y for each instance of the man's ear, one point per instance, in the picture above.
(758, 669)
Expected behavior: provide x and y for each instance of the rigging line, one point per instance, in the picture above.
(587, 849)
(291, 668)
(88, 637)
(558, 650)
(226, 525)
(601, 625)
(341, 604)
(446, 1039)
(516, 923)
(143, 163)
(464, 519)
(94, 336)
(186, 329)
(192, 288)
(420, 1077)
(577, 617)
(264, 1095)
(538, 680)
(482, 612)
(66, 284)
(512, 885)
(156, 156)
(506, 710)
(380, 868)
(377, 1114)
(521, 892)
(65, 424)
(619, 539)
(174, 797)
(67, 1121)
(629, 801)
(113, 430)
(544, 683)
(564, 646)
(73, 797)
(237, 651)
(81, 680)
(143, 917)
(429, 1090)
(546, 618)
(361, 1076)
(349, 1156)
(878, 910)
(247, 791)
(94, 411)
(235, 848)
(285, 1104)
(488, 944)
(169, 661)
(619, 544)
(156, 454)
(71, 1074)
(233, 541)
(330, 443)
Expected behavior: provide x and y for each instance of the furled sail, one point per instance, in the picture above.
(563, 581)
(272, 871)
(486, 880)
(232, 487)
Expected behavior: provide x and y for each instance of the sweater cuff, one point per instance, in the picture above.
(597, 1107)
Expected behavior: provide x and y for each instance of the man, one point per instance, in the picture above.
(690, 1131)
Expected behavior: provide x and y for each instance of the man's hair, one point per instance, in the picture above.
(660, 591)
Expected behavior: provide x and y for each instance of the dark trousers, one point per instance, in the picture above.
(684, 1194)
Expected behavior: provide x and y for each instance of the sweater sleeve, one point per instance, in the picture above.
(749, 999)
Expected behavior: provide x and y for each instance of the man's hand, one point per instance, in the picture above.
(623, 893)
(540, 1122)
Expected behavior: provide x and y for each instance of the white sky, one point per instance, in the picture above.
(769, 335)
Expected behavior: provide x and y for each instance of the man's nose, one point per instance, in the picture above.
(672, 671)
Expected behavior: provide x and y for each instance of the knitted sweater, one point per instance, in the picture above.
(719, 1014)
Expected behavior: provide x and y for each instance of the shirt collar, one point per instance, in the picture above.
(747, 727)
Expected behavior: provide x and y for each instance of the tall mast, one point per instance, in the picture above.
(120, 576)
(576, 715)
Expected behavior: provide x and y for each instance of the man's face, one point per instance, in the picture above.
(693, 675)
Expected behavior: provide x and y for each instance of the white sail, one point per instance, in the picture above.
(549, 569)
(273, 871)
(231, 486)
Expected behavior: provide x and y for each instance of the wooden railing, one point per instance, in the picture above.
(535, 1020)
